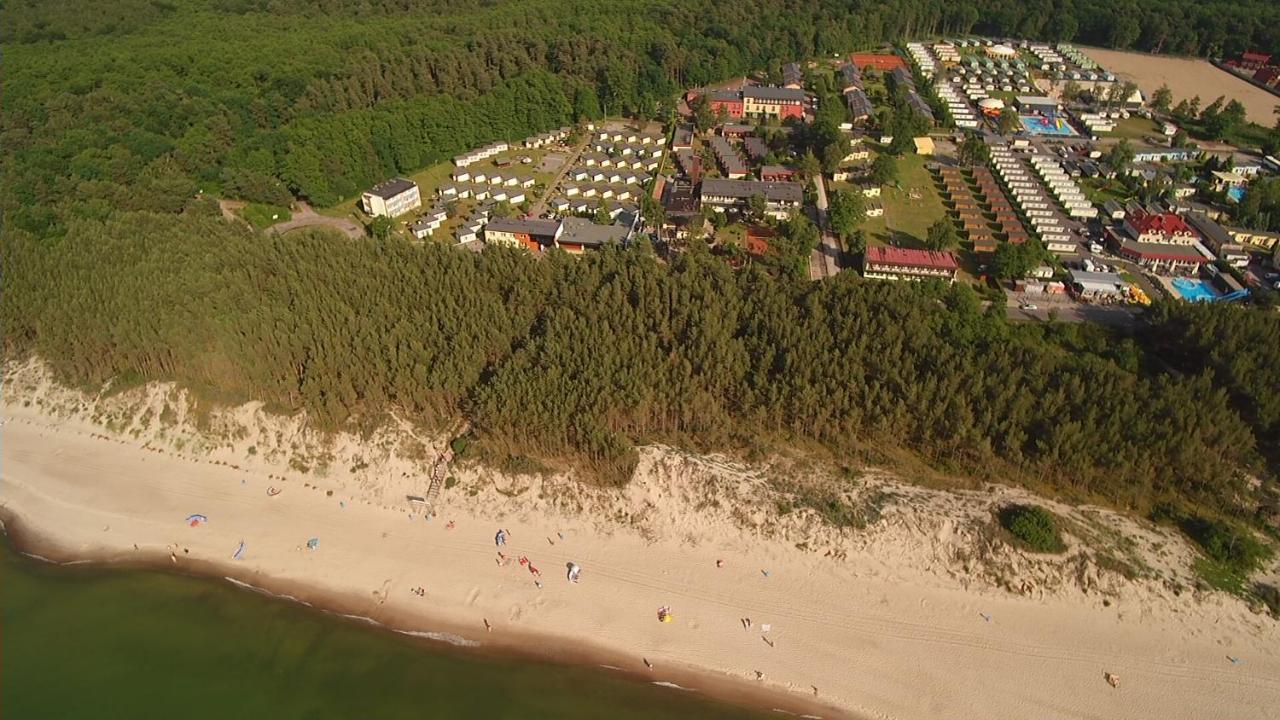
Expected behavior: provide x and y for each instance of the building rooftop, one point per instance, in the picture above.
(743, 189)
(581, 231)
(391, 188)
(545, 228)
(774, 94)
(911, 258)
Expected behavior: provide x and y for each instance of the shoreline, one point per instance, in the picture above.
(511, 644)
(920, 614)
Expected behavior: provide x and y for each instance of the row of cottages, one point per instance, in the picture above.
(469, 191)
(580, 206)
(1030, 197)
(613, 176)
(759, 101)
(470, 229)
(727, 157)
(855, 94)
(595, 159)
(893, 263)
(481, 177)
(782, 199)
(392, 198)
(429, 222)
(616, 149)
(631, 137)
(1158, 241)
(483, 153)
(547, 138)
(902, 78)
(606, 192)
(571, 234)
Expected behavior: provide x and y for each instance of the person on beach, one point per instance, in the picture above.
(500, 539)
(487, 626)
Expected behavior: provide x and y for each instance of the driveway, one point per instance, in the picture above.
(305, 216)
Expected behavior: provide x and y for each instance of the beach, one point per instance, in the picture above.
(914, 616)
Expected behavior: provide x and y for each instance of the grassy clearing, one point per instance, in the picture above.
(263, 216)
(906, 219)
(1136, 127)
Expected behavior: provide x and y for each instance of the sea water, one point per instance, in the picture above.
(99, 642)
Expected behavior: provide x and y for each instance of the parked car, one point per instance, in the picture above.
(1029, 306)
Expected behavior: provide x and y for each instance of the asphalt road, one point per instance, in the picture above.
(824, 262)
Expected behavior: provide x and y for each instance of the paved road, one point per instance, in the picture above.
(304, 216)
(539, 207)
(824, 262)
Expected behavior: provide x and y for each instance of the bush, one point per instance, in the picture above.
(449, 482)
(1233, 547)
(1032, 527)
(459, 445)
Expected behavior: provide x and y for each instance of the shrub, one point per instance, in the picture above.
(459, 445)
(450, 481)
(1032, 527)
(1231, 546)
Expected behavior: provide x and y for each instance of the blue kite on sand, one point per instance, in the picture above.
(195, 520)
(312, 543)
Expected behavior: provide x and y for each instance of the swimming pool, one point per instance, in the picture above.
(1039, 125)
(1193, 290)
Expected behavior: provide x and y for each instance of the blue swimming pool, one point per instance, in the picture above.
(1040, 125)
(1193, 290)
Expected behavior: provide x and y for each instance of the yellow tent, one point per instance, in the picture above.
(924, 145)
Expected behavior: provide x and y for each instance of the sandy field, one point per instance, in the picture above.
(1187, 78)
(923, 613)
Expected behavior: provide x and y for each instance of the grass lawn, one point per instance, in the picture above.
(1136, 127)
(263, 216)
(906, 219)
(432, 177)
(1100, 190)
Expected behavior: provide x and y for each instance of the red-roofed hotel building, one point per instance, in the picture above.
(888, 263)
(1158, 241)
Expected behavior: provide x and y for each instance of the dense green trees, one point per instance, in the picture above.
(577, 359)
(258, 100)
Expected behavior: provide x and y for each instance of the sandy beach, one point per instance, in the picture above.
(918, 615)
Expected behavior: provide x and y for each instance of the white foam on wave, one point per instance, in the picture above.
(441, 637)
(611, 667)
(263, 591)
(41, 558)
(75, 562)
(673, 686)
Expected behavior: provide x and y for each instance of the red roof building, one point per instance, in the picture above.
(1151, 227)
(1255, 59)
(883, 63)
(891, 263)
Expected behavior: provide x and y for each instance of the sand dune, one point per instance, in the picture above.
(920, 615)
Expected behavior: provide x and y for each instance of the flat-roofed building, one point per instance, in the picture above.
(391, 198)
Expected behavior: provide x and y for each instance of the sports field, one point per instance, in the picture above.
(1187, 78)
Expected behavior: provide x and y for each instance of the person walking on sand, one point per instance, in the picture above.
(487, 626)
(501, 538)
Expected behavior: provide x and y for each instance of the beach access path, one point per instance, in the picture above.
(876, 636)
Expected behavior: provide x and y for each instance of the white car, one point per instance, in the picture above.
(1028, 306)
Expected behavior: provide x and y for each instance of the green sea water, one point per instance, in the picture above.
(95, 642)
